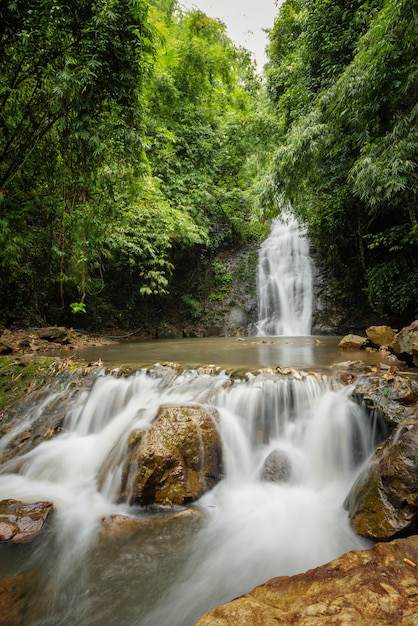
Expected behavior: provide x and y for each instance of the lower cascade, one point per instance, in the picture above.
(292, 445)
(285, 280)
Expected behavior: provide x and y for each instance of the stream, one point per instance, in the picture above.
(243, 532)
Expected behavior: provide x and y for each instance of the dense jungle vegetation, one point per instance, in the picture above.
(138, 144)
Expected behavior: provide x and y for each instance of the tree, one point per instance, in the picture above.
(71, 79)
(348, 162)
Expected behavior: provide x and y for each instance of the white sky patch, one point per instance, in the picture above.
(245, 21)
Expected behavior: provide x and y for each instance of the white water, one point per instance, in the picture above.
(253, 529)
(285, 280)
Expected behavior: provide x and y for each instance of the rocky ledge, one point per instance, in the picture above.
(51, 338)
(367, 587)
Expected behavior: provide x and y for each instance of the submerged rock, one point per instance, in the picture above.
(177, 460)
(372, 587)
(123, 526)
(22, 523)
(13, 596)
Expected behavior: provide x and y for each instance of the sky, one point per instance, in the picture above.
(245, 20)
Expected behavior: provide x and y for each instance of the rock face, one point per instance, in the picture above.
(405, 343)
(352, 342)
(380, 335)
(383, 502)
(21, 523)
(367, 587)
(177, 460)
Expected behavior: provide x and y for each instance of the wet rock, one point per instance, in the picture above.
(380, 335)
(405, 344)
(393, 397)
(22, 523)
(124, 526)
(348, 372)
(383, 501)
(352, 342)
(277, 467)
(367, 587)
(177, 460)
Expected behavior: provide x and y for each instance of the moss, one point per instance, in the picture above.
(19, 376)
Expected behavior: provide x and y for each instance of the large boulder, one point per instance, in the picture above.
(405, 344)
(352, 342)
(22, 523)
(367, 587)
(388, 397)
(380, 335)
(177, 460)
(383, 501)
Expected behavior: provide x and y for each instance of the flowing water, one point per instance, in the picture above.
(285, 280)
(249, 529)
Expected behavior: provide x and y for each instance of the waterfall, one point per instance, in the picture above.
(285, 280)
(253, 528)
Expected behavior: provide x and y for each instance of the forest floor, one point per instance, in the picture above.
(27, 341)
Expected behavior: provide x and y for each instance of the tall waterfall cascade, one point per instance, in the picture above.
(285, 280)
(251, 529)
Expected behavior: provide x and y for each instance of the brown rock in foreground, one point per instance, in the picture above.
(368, 587)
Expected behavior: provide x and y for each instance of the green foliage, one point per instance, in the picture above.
(70, 80)
(78, 307)
(142, 238)
(205, 133)
(133, 139)
(348, 161)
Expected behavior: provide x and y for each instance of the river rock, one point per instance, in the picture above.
(383, 501)
(177, 460)
(367, 587)
(277, 467)
(405, 344)
(21, 523)
(380, 335)
(57, 334)
(119, 526)
(390, 397)
(352, 342)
